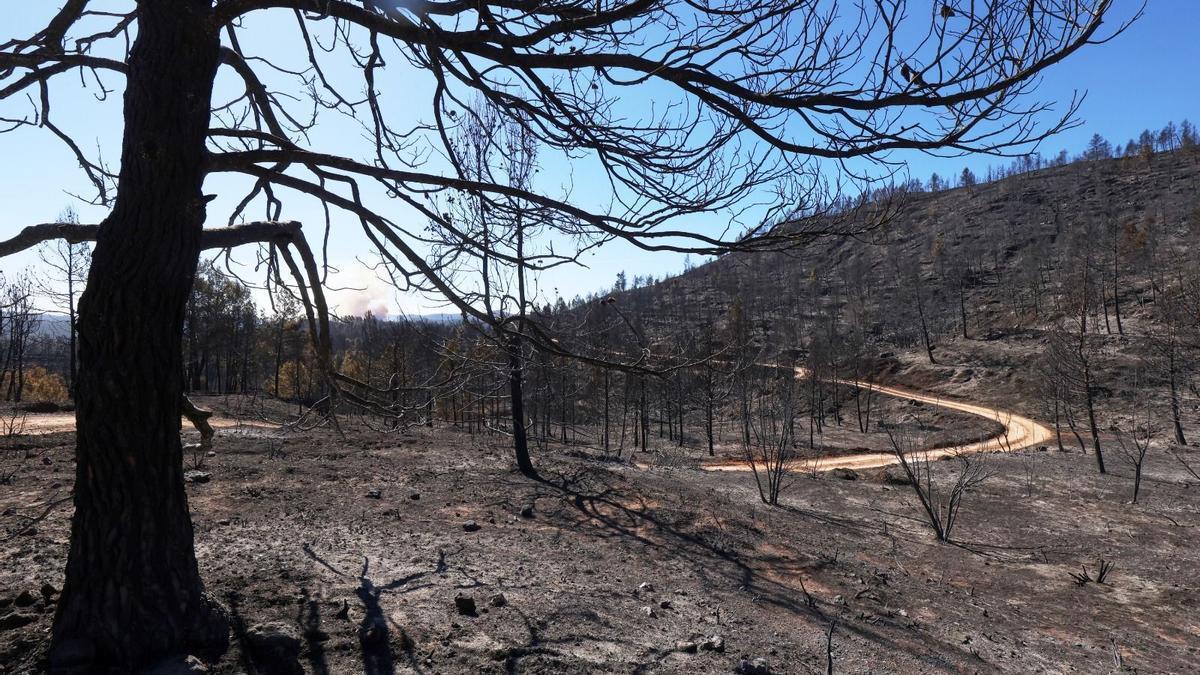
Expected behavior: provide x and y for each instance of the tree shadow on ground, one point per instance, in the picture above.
(375, 630)
(308, 619)
(550, 653)
(253, 661)
(603, 501)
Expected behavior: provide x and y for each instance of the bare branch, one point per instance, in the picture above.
(227, 237)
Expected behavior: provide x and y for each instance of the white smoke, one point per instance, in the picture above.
(356, 291)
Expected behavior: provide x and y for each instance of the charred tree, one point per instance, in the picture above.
(133, 590)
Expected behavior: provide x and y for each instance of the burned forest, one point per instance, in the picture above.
(717, 336)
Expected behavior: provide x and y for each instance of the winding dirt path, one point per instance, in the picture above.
(1019, 433)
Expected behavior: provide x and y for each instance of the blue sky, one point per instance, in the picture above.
(1143, 79)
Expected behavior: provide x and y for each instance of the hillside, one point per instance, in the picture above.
(990, 271)
(1006, 241)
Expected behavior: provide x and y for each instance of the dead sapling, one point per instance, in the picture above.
(1134, 445)
(14, 456)
(829, 559)
(197, 453)
(809, 601)
(1186, 465)
(275, 449)
(769, 452)
(941, 506)
(829, 648)
(1030, 466)
(1103, 569)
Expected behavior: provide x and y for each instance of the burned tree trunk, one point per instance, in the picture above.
(1089, 398)
(962, 307)
(607, 387)
(709, 412)
(924, 327)
(516, 371)
(1172, 374)
(133, 591)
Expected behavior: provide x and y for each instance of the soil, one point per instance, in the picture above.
(360, 547)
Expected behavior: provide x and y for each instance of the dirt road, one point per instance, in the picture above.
(1019, 433)
(53, 423)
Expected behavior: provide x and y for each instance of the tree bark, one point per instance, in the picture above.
(962, 309)
(645, 415)
(607, 386)
(709, 395)
(516, 371)
(72, 370)
(1091, 411)
(924, 327)
(1175, 421)
(1117, 291)
(133, 592)
(1057, 426)
(1104, 303)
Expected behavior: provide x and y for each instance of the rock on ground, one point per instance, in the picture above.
(275, 647)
